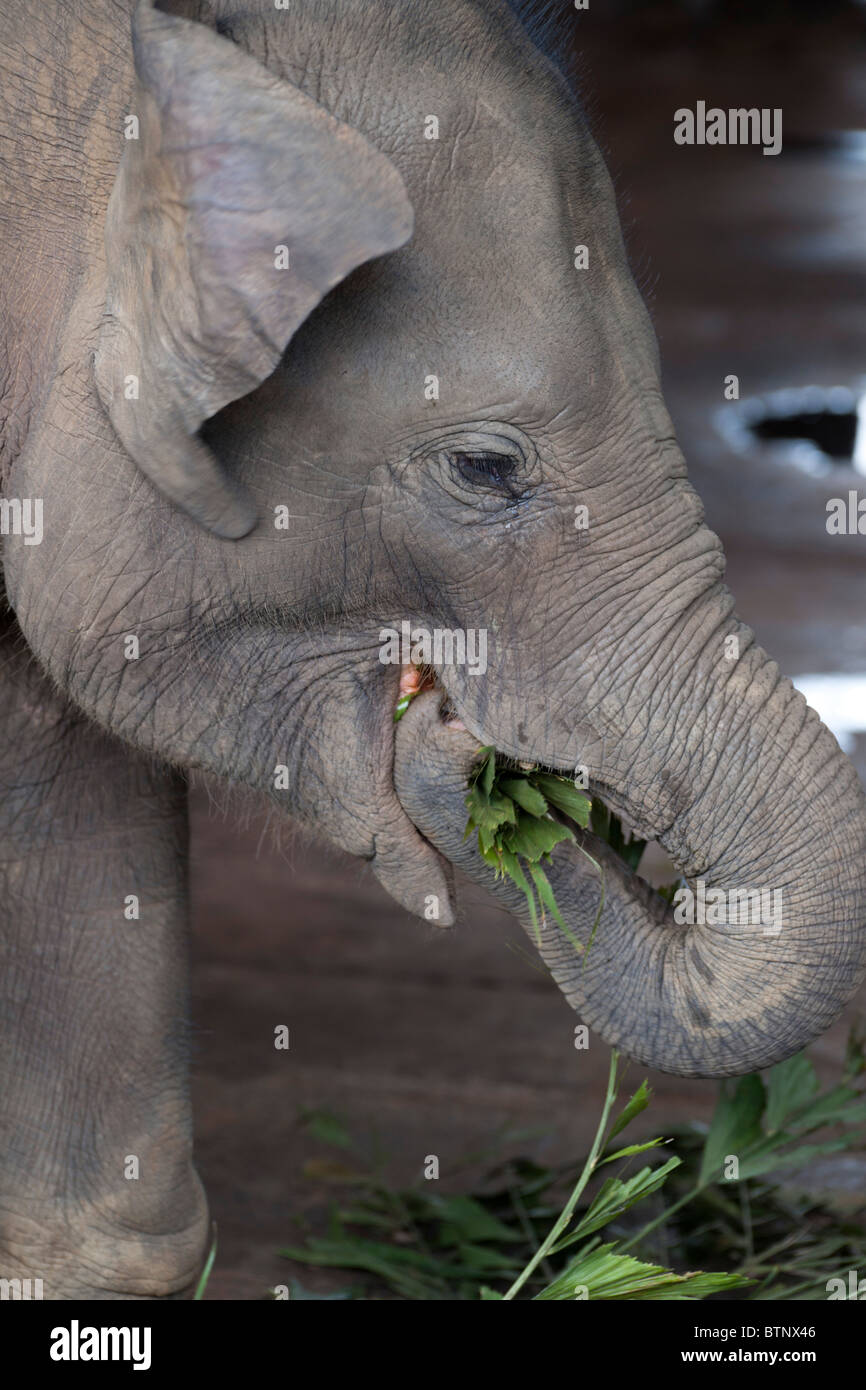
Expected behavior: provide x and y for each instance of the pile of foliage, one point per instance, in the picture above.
(510, 1240)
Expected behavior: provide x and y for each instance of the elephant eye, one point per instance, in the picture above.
(486, 470)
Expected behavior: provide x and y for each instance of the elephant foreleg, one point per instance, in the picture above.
(98, 1194)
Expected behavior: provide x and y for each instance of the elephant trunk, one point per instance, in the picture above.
(764, 803)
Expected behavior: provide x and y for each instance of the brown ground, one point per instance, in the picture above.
(440, 1041)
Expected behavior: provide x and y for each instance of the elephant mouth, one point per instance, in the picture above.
(417, 680)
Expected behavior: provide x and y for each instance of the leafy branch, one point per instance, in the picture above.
(520, 814)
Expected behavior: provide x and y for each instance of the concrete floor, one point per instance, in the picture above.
(440, 1042)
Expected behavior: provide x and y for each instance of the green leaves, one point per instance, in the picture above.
(639, 1102)
(487, 771)
(206, 1272)
(603, 1274)
(517, 814)
(607, 1272)
(412, 1274)
(510, 1239)
(735, 1126)
(565, 797)
(763, 1126)
(402, 705)
(521, 790)
(789, 1086)
(492, 815)
(616, 1196)
(510, 810)
(324, 1125)
(608, 827)
(424, 1245)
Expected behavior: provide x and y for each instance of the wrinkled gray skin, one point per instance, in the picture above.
(259, 646)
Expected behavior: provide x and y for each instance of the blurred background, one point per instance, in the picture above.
(454, 1042)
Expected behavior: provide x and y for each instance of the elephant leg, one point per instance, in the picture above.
(98, 1195)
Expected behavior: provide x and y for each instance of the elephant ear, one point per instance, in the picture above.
(240, 205)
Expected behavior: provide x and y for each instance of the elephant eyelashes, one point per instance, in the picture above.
(487, 470)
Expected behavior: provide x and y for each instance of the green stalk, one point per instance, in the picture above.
(588, 1169)
(208, 1266)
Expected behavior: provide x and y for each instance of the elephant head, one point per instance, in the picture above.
(363, 347)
